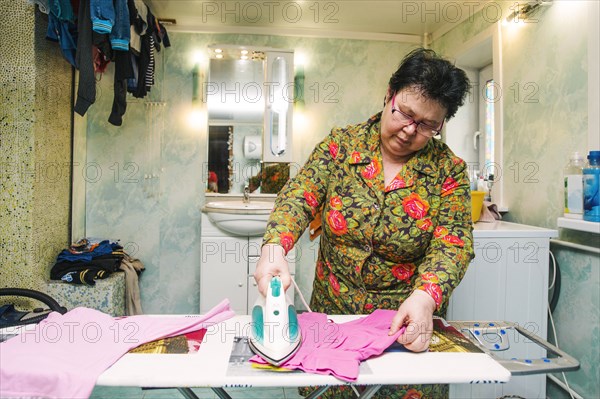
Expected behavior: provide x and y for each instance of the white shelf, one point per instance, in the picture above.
(581, 225)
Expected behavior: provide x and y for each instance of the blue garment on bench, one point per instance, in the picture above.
(104, 248)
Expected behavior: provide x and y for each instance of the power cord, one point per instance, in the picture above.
(551, 306)
(569, 390)
(554, 266)
(300, 295)
(556, 283)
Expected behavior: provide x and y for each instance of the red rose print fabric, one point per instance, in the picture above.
(379, 243)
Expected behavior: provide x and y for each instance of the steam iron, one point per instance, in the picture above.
(275, 333)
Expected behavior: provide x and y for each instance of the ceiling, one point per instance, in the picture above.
(388, 19)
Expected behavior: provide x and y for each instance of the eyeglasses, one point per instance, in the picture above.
(407, 120)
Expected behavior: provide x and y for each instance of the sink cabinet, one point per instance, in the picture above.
(227, 265)
(507, 281)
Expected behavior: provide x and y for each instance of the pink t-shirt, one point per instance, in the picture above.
(338, 349)
(65, 354)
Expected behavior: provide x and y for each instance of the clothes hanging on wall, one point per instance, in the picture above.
(147, 35)
(42, 4)
(124, 33)
(86, 91)
(65, 34)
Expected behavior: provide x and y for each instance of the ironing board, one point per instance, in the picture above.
(211, 366)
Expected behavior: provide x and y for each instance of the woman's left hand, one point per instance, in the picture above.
(416, 313)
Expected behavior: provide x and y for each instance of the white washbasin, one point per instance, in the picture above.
(238, 217)
(240, 207)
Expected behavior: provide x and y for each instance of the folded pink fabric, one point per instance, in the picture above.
(338, 349)
(65, 354)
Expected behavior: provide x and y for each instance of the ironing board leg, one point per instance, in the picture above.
(366, 394)
(369, 391)
(187, 393)
(315, 394)
(221, 393)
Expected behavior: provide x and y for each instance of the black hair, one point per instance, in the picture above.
(434, 77)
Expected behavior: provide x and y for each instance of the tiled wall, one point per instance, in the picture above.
(545, 118)
(35, 148)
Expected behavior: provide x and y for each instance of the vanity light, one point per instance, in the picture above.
(301, 122)
(195, 119)
(521, 13)
(218, 50)
(300, 61)
(219, 55)
(244, 52)
(244, 57)
(299, 86)
(198, 58)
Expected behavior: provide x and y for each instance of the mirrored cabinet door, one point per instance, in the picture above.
(250, 97)
(278, 107)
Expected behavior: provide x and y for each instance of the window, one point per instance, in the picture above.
(486, 122)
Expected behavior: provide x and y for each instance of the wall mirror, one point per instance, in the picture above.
(249, 98)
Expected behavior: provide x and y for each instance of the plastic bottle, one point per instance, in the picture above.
(573, 179)
(482, 185)
(591, 188)
(474, 176)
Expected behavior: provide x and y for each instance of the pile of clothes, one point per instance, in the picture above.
(90, 259)
(86, 261)
(94, 33)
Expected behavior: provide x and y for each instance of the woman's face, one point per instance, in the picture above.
(399, 139)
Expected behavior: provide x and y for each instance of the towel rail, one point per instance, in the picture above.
(580, 247)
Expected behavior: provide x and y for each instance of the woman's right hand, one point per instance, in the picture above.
(272, 262)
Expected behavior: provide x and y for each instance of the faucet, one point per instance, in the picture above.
(246, 194)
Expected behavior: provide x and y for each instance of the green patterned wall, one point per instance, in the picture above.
(35, 148)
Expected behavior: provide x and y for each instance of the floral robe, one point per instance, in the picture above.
(379, 243)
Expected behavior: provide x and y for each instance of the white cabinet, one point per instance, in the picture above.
(507, 281)
(227, 265)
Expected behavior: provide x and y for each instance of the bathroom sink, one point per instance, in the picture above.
(240, 207)
(238, 217)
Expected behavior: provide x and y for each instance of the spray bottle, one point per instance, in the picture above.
(573, 187)
(591, 188)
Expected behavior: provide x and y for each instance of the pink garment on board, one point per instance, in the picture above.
(65, 354)
(338, 349)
